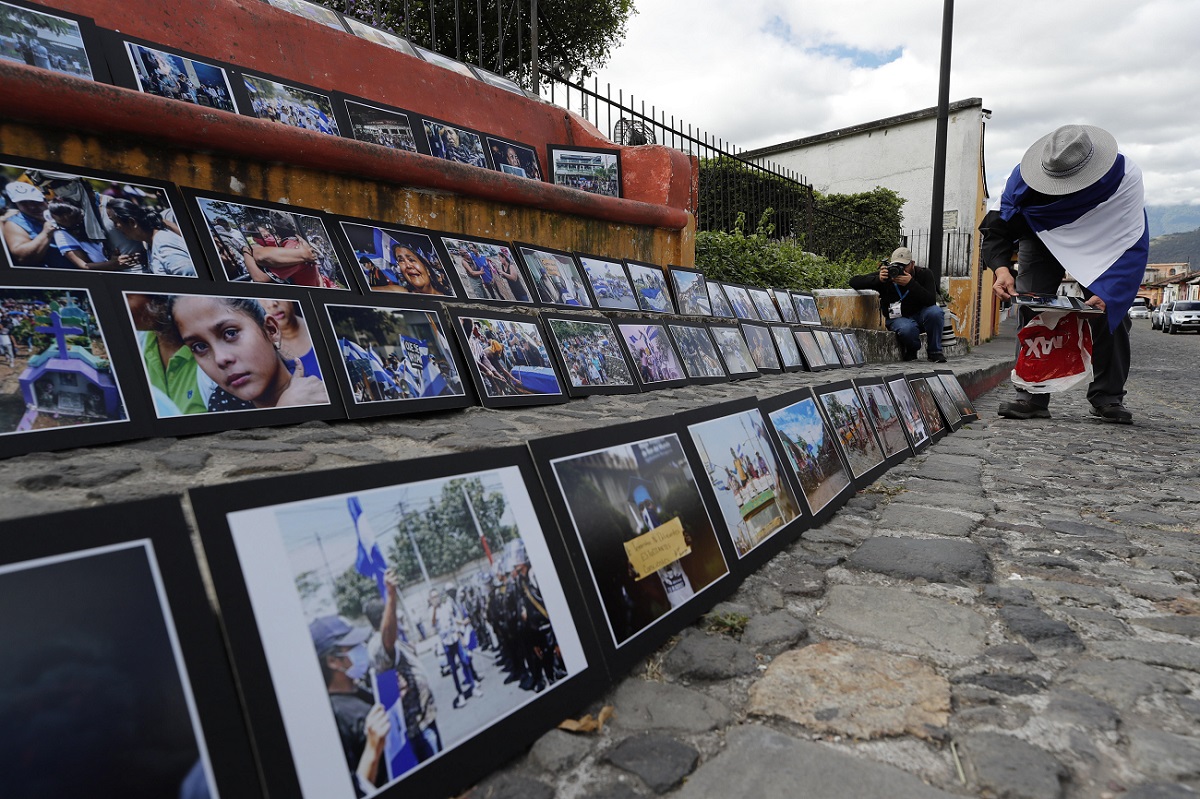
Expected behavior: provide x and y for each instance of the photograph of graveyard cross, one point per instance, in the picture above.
(929, 409)
(651, 288)
(910, 414)
(609, 282)
(290, 105)
(591, 353)
(393, 354)
(377, 126)
(652, 353)
(598, 173)
(850, 424)
(398, 261)
(510, 357)
(885, 418)
(178, 78)
(740, 462)
(54, 364)
(648, 541)
(556, 278)
(425, 609)
(487, 271)
(42, 40)
(697, 351)
(811, 453)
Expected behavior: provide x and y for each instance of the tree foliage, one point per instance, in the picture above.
(857, 226)
(730, 187)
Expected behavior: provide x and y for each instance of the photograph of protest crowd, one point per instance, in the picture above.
(884, 417)
(720, 303)
(487, 270)
(178, 78)
(828, 348)
(93, 670)
(508, 358)
(555, 277)
(787, 309)
(311, 11)
(455, 144)
(55, 366)
(372, 34)
(590, 354)
(43, 40)
(206, 353)
(731, 345)
(593, 170)
(746, 476)
(648, 542)
(789, 352)
(928, 406)
(764, 304)
(806, 309)
(961, 400)
(809, 447)
(697, 352)
(610, 283)
(650, 287)
(64, 220)
(650, 348)
(762, 347)
(691, 291)
(290, 105)
(395, 354)
(947, 405)
(910, 413)
(380, 126)
(739, 300)
(512, 158)
(400, 261)
(851, 428)
(265, 245)
(811, 350)
(420, 613)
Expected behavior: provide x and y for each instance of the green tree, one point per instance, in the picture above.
(351, 590)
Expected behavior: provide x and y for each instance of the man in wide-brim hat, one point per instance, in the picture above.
(1074, 205)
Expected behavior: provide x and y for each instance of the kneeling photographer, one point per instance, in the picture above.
(908, 302)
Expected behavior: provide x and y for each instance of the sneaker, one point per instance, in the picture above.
(1023, 409)
(937, 357)
(908, 356)
(1113, 412)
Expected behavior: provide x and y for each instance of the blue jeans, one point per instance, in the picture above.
(929, 320)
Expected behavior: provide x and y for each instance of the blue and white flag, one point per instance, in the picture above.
(1099, 234)
(368, 560)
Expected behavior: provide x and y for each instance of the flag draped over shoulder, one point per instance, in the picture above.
(1099, 234)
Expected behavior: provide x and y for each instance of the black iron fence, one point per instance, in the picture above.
(956, 250)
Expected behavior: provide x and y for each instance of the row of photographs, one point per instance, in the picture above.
(73, 45)
(59, 217)
(88, 362)
(403, 629)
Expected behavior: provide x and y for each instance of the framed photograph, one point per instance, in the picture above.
(814, 360)
(764, 303)
(652, 353)
(173, 74)
(852, 430)
(512, 158)
(744, 480)
(386, 126)
(311, 11)
(592, 169)
(62, 385)
(789, 351)
(609, 282)
(396, 259)
(855, 348)
(212, 361)
(720, 303)
(379, 36)
(431, 600)
(98, 222)
(499, 81)
(287, 104)
(487, 270)
(60, 42)
(735, 355)
(843, 349)
(885, 416)
(811, 454)
(394, 360)
(806, 308)
(115, 648)
(783, 301)
(698, 353)
(445, 62)
(961, 401)
(638, 530)
(828, 348)
(267, 243)
(508, 358)
(762, 347)
(589, 355)
(910, 412)
(948, 407)
(650, 287)
(556, 278)
(934, 425)
(690, 290)
(451, 143)
(739, 300)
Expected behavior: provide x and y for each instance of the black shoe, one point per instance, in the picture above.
(937, 357)
(1113, 412)
(1023, 409)
(908, 356)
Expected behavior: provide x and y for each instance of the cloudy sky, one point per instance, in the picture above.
(759, 72)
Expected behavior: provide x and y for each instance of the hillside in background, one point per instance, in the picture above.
(1176, 248)
(1166, 219)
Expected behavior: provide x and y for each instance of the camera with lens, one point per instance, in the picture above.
(894, 270)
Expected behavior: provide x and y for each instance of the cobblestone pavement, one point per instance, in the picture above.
(1012, 614)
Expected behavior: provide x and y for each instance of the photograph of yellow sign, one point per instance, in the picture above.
(660, 547)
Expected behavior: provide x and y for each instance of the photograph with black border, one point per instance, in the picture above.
(934, 426)
(886, 418)
(720, 303)
(860, 359)
(375, 123)
(645, 547)
(609, 282)
(379, 36)
(764, 303)
(762, 347)
(514, 158)
(806, 308)
(508, 358)
(555, 277)
(116, 653)
(432, 601)
(453, 143)
(488, 270)
(394, 359)
(170, 73)
(395, 259)
(740, 302)
(853, 431)
(445, 62)
(256, 241)
(783, 300)
(845, 355)
(814, 360)
(313, 12)
(804, 437)
(499, 81)
(59, 217)
(596, 170)
(828, 348)
(735, 354)
(698, 353)
(649, 287)
(910, 412)
(43, 37)
(966, 408)
(690, 290)
(789, 351)
(589, 355)
(286, 103)
(651, 352)
(946, 404)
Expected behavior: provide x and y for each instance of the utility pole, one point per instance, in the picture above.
(938, 200)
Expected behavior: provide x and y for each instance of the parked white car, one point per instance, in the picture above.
(1184, 315)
